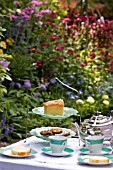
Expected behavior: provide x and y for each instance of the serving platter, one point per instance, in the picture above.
(37, 132)
(67, 113)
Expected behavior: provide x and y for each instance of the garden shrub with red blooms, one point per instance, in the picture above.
(49, 43)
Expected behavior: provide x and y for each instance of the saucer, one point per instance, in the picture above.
(66, 152)
(87, 152)
(85, 160)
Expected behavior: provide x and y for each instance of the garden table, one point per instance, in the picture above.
(42, 161)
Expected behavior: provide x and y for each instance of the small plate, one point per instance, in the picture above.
(36, 132)
(85, 160)
(7, 152)
(67, 113)
(66, 152)
(104, 151)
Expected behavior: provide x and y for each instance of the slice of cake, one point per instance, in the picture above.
(21, 151)
(54, 107)
(99, 160)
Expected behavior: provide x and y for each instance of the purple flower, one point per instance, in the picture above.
(80, 92)
(12, 84)
(72, 97)
(68, 92)
(27, 83)
(53, 81)
(11, 128)
(43, 86)
(3, 121)
(37, 94)
(18, 85)
(6, 130)
(77, 97)
(4, 64)
(72, 77)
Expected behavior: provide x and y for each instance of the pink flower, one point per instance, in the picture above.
(36, 2)
(111, 63)
(47, 11)
(28, 10)
(13, 16)
(16, 2)
(65, 20)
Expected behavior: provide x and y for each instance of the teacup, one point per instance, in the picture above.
(94, 143)
(57, 143)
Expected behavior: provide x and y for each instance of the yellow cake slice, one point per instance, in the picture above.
(54, 107)
(98, 159)
(21, 151)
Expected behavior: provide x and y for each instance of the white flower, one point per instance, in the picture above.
(79, 101)
(106, 102)
(105, 97)
(90, 100)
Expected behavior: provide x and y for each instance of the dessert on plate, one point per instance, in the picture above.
(54, 107)
(21, 151)
(98, 159)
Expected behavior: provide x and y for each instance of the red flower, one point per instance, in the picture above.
(60, 47)
(84, 63)
(61, 57)
(71, 51)
(54, 37)
(77, 55)
(44, 45)
(39, 63)
(92, 55)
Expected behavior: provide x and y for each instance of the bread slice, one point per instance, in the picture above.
(98, 159)
(54, 107)
(21, 151)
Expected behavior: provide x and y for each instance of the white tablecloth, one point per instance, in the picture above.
(42, 161)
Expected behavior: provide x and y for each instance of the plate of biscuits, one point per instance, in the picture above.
(45, 132)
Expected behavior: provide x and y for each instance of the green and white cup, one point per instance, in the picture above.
(94, 143)
(57, 143)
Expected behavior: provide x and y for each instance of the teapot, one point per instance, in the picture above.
(96, 125)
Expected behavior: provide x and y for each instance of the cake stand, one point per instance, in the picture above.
(68, 112)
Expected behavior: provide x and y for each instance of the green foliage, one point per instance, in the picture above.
(46, 43)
